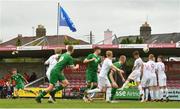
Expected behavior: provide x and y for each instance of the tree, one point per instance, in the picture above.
(18, 42)
(139, 40)
(68, 42)
(127, 41)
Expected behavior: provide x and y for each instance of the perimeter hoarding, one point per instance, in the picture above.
(23, 93)
(129, 93)
(133, 93)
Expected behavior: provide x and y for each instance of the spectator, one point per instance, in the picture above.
(8, 90)
(33, 77)
(26, 76)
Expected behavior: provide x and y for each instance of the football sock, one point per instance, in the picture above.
(94, 90)
(125, 84)
(113, 92)
(140, 89)
(156, 94)
(152, 94)
(42, 94)
(108, 94)
(166, 92)
(161, 93)
(57, 88)
(94, 86)
(146, 93)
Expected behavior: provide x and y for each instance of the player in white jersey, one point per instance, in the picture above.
(136, 72)
(51, 61)
(104, 84)
(161, 78)
(153, 78)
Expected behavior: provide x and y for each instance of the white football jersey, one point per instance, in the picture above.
(160, 68)
(138, 63)
(152, 66)
(146, 69)
(106, 66)
(52, 60)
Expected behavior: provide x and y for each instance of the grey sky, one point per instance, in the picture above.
(123, 17)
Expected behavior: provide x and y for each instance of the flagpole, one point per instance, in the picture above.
(58, 19)
(58, 16)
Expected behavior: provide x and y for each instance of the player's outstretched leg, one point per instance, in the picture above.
(53, 92)
(85, 97)
(113, 92)
(43, 93)
(30, 91)
(40, 96)
(58, 88)
(125, 84)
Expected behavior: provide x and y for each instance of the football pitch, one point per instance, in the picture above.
(30, 103)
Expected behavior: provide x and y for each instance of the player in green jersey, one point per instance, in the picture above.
(20, 82)
(92, 60)
(119, 65)
(57, 75)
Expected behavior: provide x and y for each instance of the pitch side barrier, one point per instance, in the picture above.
(103, 46)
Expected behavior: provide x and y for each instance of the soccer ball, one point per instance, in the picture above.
(146, 49)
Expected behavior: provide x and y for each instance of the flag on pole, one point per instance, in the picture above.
(64, 20)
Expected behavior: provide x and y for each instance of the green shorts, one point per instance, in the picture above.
(55, 76)
(19, 86)
(91, 77)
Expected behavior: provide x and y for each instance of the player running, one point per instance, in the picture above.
(93, 60)
(136, 73)
(112, 75)
(161, 78)
(57, 75)
(20, 82)
(104, 84)
(52, 61)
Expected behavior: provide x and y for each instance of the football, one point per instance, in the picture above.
(146, 49)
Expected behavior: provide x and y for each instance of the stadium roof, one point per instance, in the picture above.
(156, 38)
(50, 40)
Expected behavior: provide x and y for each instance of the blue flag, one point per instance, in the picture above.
(64, 20)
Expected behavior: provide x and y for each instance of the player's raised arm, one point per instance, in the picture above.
(117, 69)
(47, 61)
(88, 60)
(74, 67)
(121, 75)
(114, 84)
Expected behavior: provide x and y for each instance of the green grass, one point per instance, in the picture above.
(30, 103)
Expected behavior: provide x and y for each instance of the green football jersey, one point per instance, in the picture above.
(118, 65)
(18, 78)
(64, 60)
(93, 65)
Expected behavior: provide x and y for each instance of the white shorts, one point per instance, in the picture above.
(145, 81)
(162, 81)
(153, 80)
(135, 75)
(48, 73)
(103, 83)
